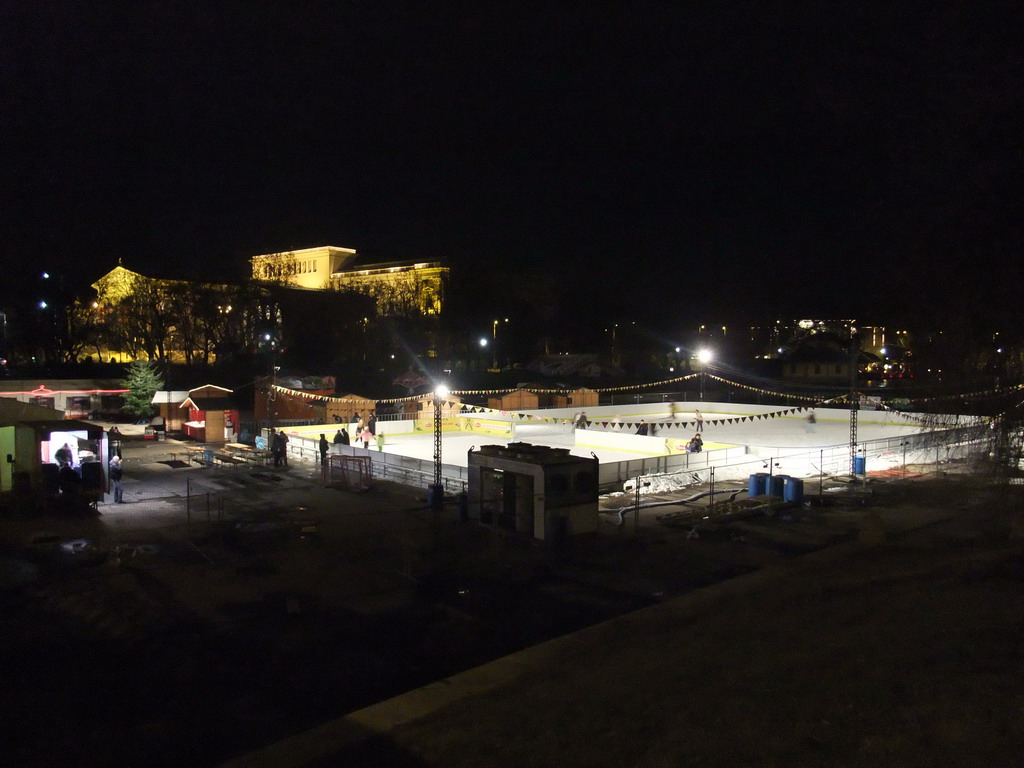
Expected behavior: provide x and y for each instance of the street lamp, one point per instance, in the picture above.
(494, 341)
(704, 356)
(436, 494)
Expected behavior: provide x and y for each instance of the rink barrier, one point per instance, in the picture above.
(731, 463)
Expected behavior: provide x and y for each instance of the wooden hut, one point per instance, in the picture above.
(212, 415)
(517, 400)
(168, 405)
(345, 408)
(423, 406)
(578, 398)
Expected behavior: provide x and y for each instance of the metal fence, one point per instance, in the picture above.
(923, 450)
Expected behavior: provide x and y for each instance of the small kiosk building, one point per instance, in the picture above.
(212, 416)
(534, 490)
(31, 436)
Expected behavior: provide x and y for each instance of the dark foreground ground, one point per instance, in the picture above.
(886, 630)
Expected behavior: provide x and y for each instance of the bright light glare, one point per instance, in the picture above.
(704, 356)
(483, 342)
(441, 390)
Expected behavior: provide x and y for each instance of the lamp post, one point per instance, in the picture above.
(704, 356)
(436, 494)
(494, 342)
(271, 393)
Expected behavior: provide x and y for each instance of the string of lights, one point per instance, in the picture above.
(774, 392)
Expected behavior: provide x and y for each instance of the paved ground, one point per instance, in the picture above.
(271, 621)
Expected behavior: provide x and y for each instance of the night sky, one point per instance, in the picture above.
(668, 158)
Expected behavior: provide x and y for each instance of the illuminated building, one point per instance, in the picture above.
(398, 287)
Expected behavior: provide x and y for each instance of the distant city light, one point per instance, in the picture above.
(42, 305)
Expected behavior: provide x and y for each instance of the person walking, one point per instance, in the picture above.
(700, 420)
(380, 441)
(366, 436)
(324, 448)
(116, 476)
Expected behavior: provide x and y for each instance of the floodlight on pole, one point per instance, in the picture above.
(436, 494)
(704, 356)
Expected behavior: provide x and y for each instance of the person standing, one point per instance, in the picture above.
(345, 439)
(284, 447)
(324, 448)
(380, 441)
(63, 456)
(116, 476)
(700, 420)
(275, 446)
(338, 439)
(114, 438)
(366, 436)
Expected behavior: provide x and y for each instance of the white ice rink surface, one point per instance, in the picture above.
(787, 432)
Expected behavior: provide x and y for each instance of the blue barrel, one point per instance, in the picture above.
(776, 485)
(794, 490)
(859, 465)
(757, 484)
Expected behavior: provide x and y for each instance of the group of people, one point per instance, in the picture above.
(279, 447)
(342, 437)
